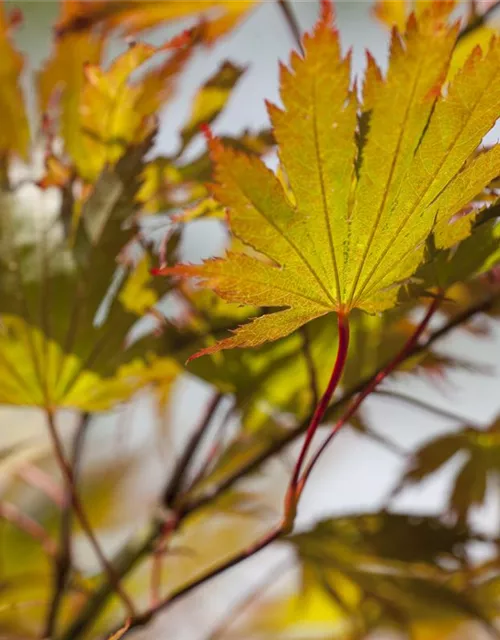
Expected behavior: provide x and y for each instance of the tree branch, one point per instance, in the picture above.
(292, 23)
(135, 551)
(183, 463)
(478, 21)
(79, 511)
(402, 355)
(63, 560)
(261, 544)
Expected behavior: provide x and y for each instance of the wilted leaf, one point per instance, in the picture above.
(339, 242)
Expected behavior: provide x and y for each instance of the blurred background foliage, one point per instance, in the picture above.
(178, 467)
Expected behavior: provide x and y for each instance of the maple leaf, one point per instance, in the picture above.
(480, 464)
(370, 574)
(217, 17)
(351, 225)
(15, 136)
(211, 99)
(396, 12)
(62, 79)
(104, 110)
(56, 350)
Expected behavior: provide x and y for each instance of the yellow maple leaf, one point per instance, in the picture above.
(14, 131)
(62, 79)
(361, 206)
(102, 111)
(217, 16)
(396, 12)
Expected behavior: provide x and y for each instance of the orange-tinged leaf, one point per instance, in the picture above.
(346, 224)
(14, 131)
(217, 16)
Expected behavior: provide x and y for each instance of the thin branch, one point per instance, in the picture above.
(184, 462)
(292, 23)
(321, 407)
(41, 481)
(478, 21)
(407, 349)
(239, 557)
(425, 406)
(135, 551)
(311, 369)
(173, 488)
(80, 513)
(11, 513)
(248, 599)
(215, 449)
(63, 560)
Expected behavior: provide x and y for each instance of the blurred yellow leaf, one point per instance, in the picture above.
(217, 17)
(210, 99)
(14, 131)
(394, 13)
(114, 110)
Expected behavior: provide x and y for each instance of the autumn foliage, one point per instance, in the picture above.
(374, 236)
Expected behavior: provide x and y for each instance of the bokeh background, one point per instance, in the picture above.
(355, 474)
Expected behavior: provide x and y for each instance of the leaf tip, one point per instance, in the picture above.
(327, 13)
(16, 18)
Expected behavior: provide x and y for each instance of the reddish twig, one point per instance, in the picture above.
(11, 513)
(40, 480)
(408, 348)
(321, 407)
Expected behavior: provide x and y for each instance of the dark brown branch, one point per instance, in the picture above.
(292, 23)
(63, 561)
(478, 21)
(173, 488)
(183, 463)
(79, 511)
